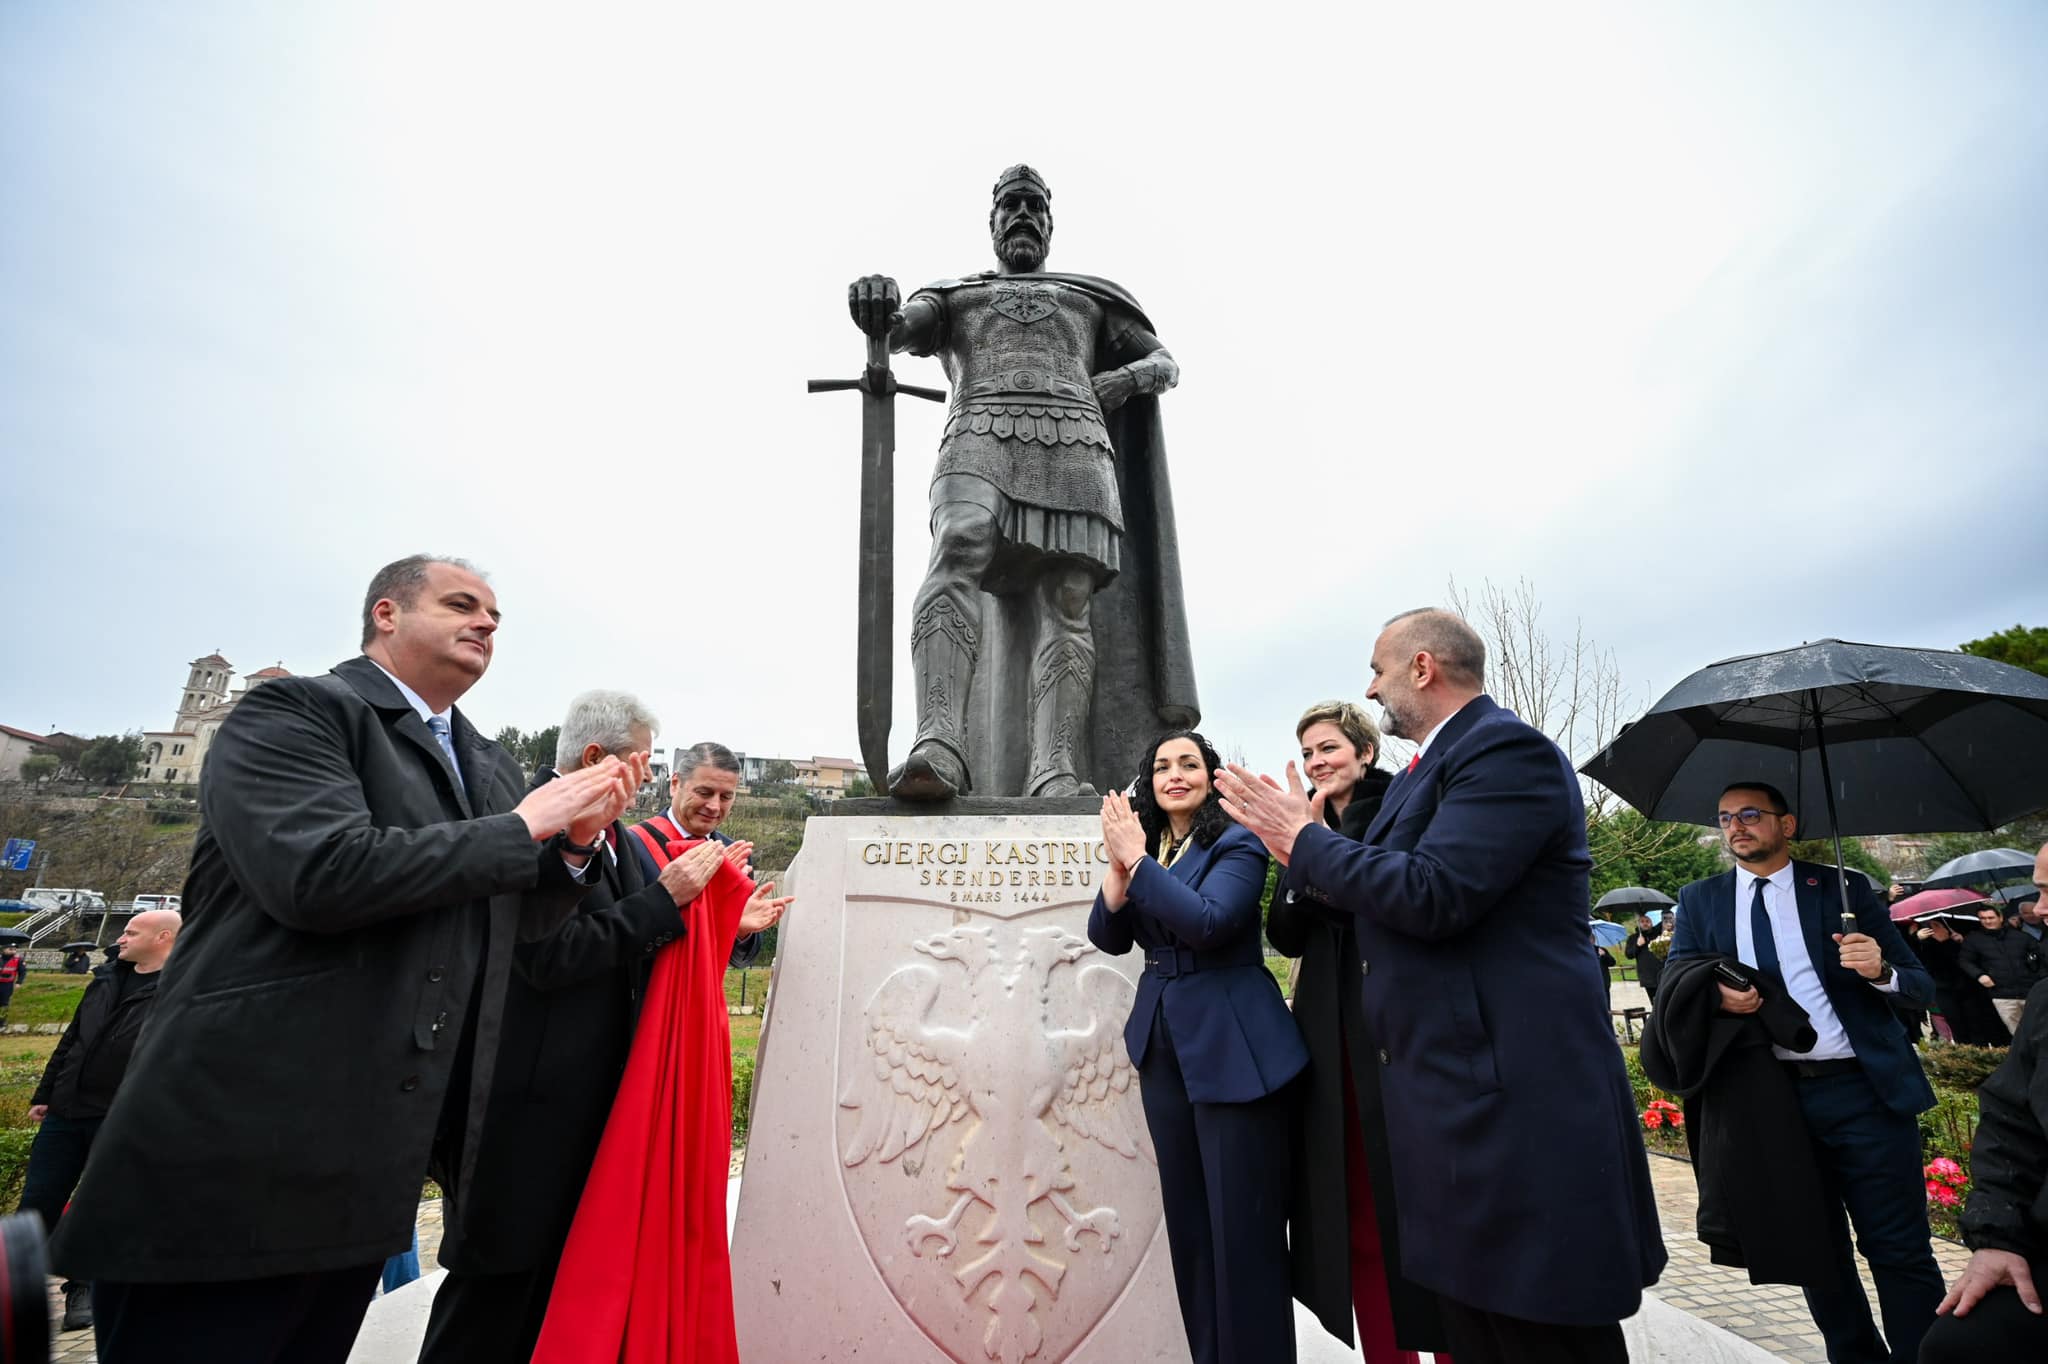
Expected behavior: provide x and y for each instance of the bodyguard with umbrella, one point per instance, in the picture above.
(1938, 921)
(1857, 739)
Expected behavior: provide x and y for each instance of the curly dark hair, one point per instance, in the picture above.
(1210, 821)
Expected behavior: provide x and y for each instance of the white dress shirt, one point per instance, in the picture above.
(585, 873)
(1430, 737)
(1795, 964)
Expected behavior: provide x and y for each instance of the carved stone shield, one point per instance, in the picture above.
(991, 1144)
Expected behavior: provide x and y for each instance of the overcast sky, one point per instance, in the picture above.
(1723, 326)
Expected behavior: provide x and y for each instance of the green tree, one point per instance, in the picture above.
(112, 758)
(38, 768)
(858, 785)
(65, 748)
(531, 751)
(778, 772)
(1629, 850)
(1854, 854)
(2020, 646)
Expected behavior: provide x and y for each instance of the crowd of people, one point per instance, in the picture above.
(412, 959)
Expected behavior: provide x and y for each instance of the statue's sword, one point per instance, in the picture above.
(872, 673)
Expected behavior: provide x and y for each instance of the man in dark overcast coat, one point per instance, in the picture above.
(331, 1015)
(1504, 1090)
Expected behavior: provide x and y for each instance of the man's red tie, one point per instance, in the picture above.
(1415, 761)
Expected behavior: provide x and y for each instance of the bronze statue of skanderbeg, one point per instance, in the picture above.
(1049, 639)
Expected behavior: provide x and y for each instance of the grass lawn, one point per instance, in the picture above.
(45, 997)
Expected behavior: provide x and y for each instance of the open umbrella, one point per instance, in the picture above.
(1607, 933)
(85, 946)
(15, 937)
(1990, 867)
(1935, 902)
(2017, 895)
(1636, 899)
(1862, 738)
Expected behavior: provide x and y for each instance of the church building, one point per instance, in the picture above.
(174, 756)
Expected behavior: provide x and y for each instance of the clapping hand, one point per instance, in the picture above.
(593, 819)
(763, 909)
(740, 853)
(686, 876)
(1123, 837)
(578, 797)
(1276, 815)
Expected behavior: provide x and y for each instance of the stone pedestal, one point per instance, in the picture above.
(947, 1158)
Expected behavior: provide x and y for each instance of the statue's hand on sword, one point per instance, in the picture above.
(876, 304)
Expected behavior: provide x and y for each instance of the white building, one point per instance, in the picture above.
(175, 755)
(15, 745)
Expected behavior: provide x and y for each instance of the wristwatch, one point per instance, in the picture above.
(591, 851)
(1884, 977)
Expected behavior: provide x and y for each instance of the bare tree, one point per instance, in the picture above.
(1567, 685)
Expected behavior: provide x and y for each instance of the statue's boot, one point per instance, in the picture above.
(1062, 685)
(943, 646)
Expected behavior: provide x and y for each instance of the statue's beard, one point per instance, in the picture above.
(1021, 251)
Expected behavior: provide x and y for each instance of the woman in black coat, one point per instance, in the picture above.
(1345, 1250)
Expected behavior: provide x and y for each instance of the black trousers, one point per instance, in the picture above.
(487, 1318)
(1479, 1337)
(55, 1161)
(1223, 1171)
(1998, 1329)
(1869, 1160)
(290, 1319)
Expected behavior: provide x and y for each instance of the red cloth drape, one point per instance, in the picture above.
(645, 1277)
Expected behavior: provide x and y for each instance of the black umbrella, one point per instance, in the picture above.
(1635, 898)
(2017, 895)
(78, 946)
(1991, 867)
(1862, 738)
(15, 937)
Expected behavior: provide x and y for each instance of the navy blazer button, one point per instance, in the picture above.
(1365, 968)
(1384, 1058)
(435, 973)
(412, 1082)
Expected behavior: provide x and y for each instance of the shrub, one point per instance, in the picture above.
(1948, 1188)
(14, 1144)
(1952, 1066)
(742, 1097)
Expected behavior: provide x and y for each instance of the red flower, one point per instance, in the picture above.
(1653, 1119)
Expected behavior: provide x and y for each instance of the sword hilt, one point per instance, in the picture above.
(876, 378)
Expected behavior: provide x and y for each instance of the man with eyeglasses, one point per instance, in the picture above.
(1860, 1086)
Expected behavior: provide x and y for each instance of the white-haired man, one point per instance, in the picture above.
(569, 1016)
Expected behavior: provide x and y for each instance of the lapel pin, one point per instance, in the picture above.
(1813, 880)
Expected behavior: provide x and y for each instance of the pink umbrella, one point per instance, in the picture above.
(1935, 902)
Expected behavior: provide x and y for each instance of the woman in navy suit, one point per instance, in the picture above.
(1213, 1043)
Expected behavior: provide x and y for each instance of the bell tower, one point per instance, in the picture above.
(206, 687)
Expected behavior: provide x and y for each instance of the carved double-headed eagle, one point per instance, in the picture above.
(1028, 1052)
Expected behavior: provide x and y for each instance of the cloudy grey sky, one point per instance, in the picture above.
(1723, 326)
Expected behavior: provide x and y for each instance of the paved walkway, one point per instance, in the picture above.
(75, 1347)
(1771, 1316)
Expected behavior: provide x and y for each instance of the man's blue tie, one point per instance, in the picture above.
(439, 724)
(1765, 946)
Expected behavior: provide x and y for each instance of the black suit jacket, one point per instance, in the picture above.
(1326, 1005)
(349, 911)
(569, 1016)
(746, 948)
(1506, 1099)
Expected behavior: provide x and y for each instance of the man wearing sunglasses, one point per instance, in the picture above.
(1860, 1086)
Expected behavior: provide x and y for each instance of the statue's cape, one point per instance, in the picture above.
(1139, 692)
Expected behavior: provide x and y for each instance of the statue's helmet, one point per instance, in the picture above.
(1020, 174)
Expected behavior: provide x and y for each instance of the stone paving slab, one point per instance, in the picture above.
(1771, 1317)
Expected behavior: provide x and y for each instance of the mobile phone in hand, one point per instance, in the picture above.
(1733, 976)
